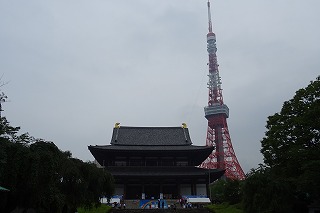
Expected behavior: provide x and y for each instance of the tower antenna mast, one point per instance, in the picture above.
(209, 16)
(216, 112)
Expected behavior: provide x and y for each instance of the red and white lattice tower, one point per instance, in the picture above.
(223, 157)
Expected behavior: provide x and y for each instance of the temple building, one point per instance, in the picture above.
(155, 162)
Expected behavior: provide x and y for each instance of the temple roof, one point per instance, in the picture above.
(150, 142)
(151, 136)
(152, 148)
(165, 172)
(161, 171)
(106, 153)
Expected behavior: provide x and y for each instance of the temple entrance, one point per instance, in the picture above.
(170, 191)
(152, 191)
(133, 191)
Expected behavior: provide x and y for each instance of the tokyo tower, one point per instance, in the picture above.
(223, 157)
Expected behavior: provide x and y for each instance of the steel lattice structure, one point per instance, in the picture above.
(223, 157)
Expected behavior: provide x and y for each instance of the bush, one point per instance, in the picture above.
(225, 208)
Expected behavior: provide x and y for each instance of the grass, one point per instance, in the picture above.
(101, 209)
(225, 208)
(216, 208)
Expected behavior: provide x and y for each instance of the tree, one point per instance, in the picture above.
(264, 192)
(41, 176)
(294, 133)
(228, 190)
(291, 148)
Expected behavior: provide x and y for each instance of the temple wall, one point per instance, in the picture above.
(185, 189)
(119, 189)
(201, 189)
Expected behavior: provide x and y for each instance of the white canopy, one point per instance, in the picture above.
(198, 200)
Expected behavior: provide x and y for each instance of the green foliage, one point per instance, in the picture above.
(100, 209)
(290, 179)
(41, 176)
(263, 192)
(217, 191)
(293, 135)
(226, 191)
(225, 208)
(7, 132)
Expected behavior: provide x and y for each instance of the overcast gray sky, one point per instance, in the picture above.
(76, 67)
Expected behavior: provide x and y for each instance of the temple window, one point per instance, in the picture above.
(120, 163)
(182, 163)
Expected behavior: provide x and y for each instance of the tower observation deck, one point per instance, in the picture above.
(216, 112)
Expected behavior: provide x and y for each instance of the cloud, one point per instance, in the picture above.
(77, 67)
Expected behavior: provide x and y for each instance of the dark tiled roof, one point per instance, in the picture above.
(150, 142)
(151, 136)
(163, 171)
(108, 153)
(151, 148)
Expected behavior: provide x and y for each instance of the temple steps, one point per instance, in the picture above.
(178, 210)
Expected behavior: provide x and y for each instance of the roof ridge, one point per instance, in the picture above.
(171, 127)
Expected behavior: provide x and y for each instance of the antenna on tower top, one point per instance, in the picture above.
(209, 18)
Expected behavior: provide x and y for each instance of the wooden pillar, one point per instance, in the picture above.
(193, 187)
(160, 188)
(142, 190)
(125, 189)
